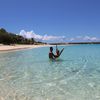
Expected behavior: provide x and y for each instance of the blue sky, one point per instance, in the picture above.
(65, 20)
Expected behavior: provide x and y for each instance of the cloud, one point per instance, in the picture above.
(90, 38)
(84, 38)
(29, 34)
(32, 34)
(46, 37)
(51, 38)
(72, 39)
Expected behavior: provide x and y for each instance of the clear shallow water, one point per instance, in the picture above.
(30, 75)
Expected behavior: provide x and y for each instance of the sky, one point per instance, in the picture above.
(52, 20)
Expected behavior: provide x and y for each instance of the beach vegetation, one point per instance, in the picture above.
(8, 38)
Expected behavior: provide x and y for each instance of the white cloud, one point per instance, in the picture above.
(26, 34)
(84, 38)
(90, 38)
(72, 39)
(48, 38)
(45, 37)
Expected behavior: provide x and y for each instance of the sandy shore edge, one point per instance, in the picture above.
(4, 48)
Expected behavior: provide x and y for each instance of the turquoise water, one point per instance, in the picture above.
(30, 75)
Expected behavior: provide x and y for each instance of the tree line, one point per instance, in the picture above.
(11, 38)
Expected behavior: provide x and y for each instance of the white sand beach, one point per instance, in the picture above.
(18, 47)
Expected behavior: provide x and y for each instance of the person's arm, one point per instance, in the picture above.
(57, 51)
(56, 48)
(61, 51)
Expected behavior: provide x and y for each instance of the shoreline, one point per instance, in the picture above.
(8, 48)
(18, 47)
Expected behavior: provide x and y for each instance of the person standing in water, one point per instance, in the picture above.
(51, 55)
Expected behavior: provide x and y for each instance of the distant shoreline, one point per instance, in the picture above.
(72, 43)
(17, 47)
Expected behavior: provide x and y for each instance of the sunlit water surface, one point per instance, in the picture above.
(30, 75)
